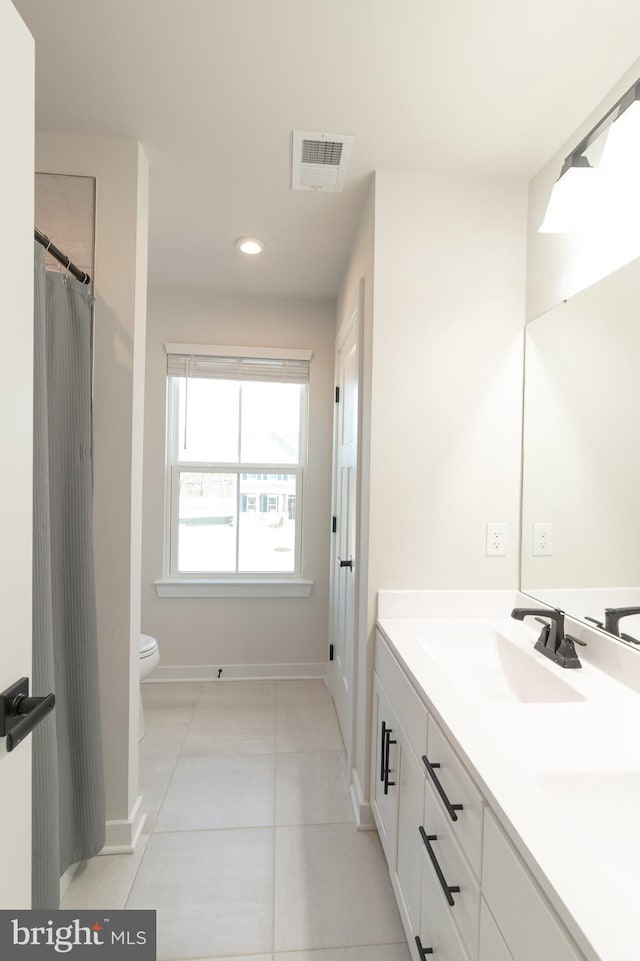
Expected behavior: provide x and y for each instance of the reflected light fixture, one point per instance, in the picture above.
(622, 147)
(571, 198)
(584, 194)
(250, 245)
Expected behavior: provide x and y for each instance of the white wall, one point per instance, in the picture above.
(444, 255)
(243, 631)
(121, 173)
(559, 265)
(447, 376)
(16, 419)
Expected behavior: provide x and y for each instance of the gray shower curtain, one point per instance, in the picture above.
(68, 779)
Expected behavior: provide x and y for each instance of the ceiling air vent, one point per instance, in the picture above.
(319, 161)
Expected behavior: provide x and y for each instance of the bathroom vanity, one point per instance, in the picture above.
(505, 789)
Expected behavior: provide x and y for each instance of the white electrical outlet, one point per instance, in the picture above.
(496, 542)
(542, 539)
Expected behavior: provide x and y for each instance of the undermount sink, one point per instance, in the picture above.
(489, 666)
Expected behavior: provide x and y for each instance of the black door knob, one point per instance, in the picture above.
(19, 713)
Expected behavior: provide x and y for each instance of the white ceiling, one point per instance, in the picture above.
(213, 89)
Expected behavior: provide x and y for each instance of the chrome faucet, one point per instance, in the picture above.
(553, 642)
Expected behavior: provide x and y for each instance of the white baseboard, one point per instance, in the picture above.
(234, 672)
(361, 808)
(123, 836)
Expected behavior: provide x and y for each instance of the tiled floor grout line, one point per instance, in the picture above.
(200, 710)
(164, 794)
(256, 827)
(240, 827)
(256, 754)
(336, 947)
(261, 954)
(135, 875)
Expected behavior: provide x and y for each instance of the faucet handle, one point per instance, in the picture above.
(576, 640)
(566, 654)
(594, 620)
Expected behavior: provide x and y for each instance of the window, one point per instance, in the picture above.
(237, 426)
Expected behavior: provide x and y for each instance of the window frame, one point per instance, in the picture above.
(228, 583)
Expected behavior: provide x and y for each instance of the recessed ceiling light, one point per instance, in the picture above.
(250, 245)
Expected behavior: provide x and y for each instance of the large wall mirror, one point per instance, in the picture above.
(581, 459)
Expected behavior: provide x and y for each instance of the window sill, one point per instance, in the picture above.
(233, 587)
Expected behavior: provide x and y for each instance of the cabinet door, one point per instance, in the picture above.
(526, 921)
(492, 946)
(384, 771)
(409, 846)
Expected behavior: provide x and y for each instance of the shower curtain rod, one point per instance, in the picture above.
(60, 257)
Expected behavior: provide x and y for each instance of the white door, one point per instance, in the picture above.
(16, 420)
(344, 560)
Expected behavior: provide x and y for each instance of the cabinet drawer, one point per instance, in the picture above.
(492, 946)
(528, 924)
(408, 707)
(438, 930)
(409, 846)
(465, 909)
(459, 789)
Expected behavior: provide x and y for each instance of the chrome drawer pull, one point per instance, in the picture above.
(451, 808)
(448, 889)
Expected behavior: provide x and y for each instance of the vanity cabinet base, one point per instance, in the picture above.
(461, 887)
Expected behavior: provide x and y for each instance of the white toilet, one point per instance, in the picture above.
(149, 659)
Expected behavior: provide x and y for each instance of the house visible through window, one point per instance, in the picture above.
(237, 431)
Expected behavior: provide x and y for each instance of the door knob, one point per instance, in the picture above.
(19, 713)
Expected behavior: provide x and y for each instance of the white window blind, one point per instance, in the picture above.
(239, 363)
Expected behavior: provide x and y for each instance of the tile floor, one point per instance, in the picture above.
(250, 852)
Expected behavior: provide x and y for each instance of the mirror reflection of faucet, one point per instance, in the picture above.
(594, 620)
(553, 642)
(612, 618)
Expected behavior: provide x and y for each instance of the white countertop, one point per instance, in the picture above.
(562, 776)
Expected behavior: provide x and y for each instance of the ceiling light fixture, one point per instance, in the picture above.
(250, 245)
(582, 193)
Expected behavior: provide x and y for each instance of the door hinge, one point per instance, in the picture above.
(330, 652)
(337, 395)
(334, 524)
